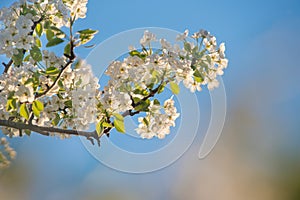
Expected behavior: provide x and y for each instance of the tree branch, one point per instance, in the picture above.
(56, 80)
(71, 57)
(47, 130)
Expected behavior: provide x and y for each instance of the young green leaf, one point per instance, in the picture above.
(36, 54)
(49, 34)
(119, 125)
(27, 132)
(58, 32)
(54, 41)
(134, 53)
(11, 105)
(118, 116)
(108, 125)
(35, 111)
(174, 87)
(143, 105)
(99, 128)
(39, 105)
(52, 71)
(24, 111)
(88, 32)
(187, 46)
(39, 29)
(56, 120)
(18, 58)
(156, 102)
(38, 42)
(89, 46)
(67, 49)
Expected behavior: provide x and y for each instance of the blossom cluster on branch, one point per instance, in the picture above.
(51, 93)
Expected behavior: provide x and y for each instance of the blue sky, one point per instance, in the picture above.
(262, 44)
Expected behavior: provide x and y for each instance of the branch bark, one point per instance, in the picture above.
(47, 130)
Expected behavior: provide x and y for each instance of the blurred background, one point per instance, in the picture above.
(258, 154)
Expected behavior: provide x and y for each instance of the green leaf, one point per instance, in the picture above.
(11, 105)
(143, 92)
(57, 31)
(36, 54)
(24, 111)
(143, 105)
(174, 87)
(118, 116)
(119, 122)
(39, 105)
(85, 38)
(86, 35)
(54, 41)
(38, 42)
(49, 34)
(156, 102)
(208, 58)
(18, 58)
(136, 100)
(187, 46)
(47, 24)
(99, 128)
(67, 49)
(39, 29)
(89, 46)
(52, 71)
(134, 53)
(108, 125)
(151, 85)
(198, 79)
(60, 84)
(68, 103)
(56, 120)
(26, 59)
(119, 125)
(87, 32)
(198, 76)
(29, 81)
(36, 112)
(27, 132)
(197, 73)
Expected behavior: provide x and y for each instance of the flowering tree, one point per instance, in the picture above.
(55, 93)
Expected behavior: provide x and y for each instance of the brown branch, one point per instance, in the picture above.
(71, 57)
(7, 66)
(55, 82)
(47, 130)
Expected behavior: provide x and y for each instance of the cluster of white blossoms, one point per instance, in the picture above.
(157, 124)
(42, 89)
(20, 17)
(7, 155)
(38, 87)
(85, 97)
(145, 73)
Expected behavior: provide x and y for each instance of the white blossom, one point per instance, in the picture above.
(147, 38)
